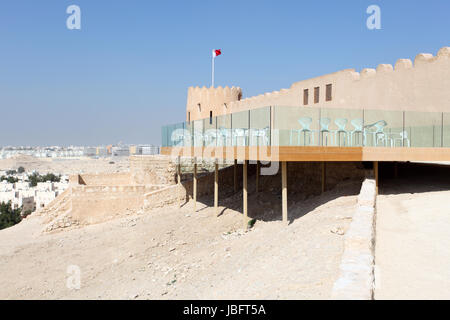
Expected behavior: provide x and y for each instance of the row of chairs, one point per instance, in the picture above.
(358, 135)
(222, 137)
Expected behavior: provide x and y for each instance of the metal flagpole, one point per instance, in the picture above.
(212, 75)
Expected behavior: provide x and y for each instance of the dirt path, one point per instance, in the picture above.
(413, 240)
(172, 253)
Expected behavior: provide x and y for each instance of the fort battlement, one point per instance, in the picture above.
(201, 101)
(419, 86)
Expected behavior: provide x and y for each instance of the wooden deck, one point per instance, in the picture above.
(295, 153)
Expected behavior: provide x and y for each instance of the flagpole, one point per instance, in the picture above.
(212, 73)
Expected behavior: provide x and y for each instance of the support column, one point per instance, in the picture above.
(216, 187)
(179, 180)
(244, 193)
(257, 175)
(195, 185)
(235, 176)
(324, 176)
(284, 190)
(376, 174)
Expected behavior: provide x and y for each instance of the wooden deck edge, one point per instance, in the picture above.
(313, 153)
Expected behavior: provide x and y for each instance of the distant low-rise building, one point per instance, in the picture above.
(43, 198)
(23, 185)
(149, 149)
(120, 151)
(90, 151)
(7, 196)
(45, 186)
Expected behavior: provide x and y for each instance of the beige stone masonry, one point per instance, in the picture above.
(356, 278)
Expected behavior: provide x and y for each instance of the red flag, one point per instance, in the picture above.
(217, 53)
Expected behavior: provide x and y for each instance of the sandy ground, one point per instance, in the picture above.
(174, 253)
(66, 166)
(413, 239)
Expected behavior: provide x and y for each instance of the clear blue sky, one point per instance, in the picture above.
(126, 72)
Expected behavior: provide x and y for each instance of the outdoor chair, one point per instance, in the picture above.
(225, 135)
(324, 129)
(378, 133)
(240, 135)
(341, 123)
(305, 123)
(403, 136)
(358, 130)
(260, 134)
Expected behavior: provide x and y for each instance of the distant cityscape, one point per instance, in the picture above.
(118, 150)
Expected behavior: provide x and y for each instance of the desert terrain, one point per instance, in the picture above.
(412, 253)
(174, 253)
(66, 166)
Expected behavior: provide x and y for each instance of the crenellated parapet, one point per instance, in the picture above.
(202, 100)
(422, 85)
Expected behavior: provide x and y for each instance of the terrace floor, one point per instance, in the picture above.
(412, 239)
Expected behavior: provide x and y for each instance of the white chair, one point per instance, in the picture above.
(357, 130)
(225, 135)
(403, 136)
(240, 135)
(324, 129)
(377, 131)
(341, 123)
(260, 134)
(305, 123)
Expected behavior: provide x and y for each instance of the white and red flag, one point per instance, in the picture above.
(215, 53)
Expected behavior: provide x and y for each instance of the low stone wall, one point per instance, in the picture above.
(356, 280)
(155, 170)
(101, 179)
(164, 196)
(94, 204)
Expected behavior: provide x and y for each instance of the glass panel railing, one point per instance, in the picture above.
(176, 134)
(307, 126)
(341, 127)
(259, 133)
(383, 128)
(446, 130)
(164, 136)
(224, 130)
(422, 129)
(239, 128)
(295, 126)
(210, 136)
(188, 134)
(197, 132)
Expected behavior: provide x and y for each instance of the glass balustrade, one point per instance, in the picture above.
(312, 126)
